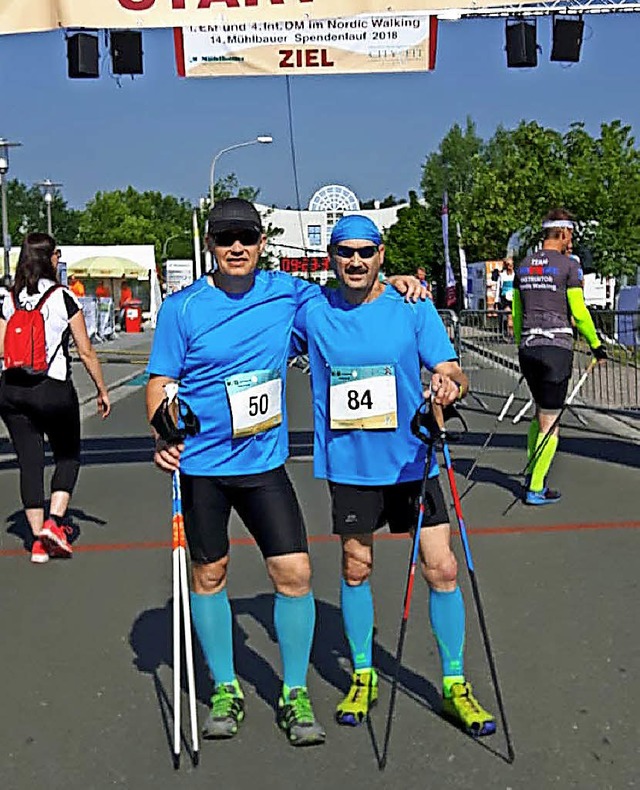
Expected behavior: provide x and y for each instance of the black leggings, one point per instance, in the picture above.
(30, 411)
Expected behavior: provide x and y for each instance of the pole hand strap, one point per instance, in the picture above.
(170, 413)
(428, 424)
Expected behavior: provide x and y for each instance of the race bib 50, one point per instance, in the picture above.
(255, 399)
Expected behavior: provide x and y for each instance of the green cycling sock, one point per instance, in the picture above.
(542, 464)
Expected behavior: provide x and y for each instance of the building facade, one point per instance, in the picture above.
(301, 248)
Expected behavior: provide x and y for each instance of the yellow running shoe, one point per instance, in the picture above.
(362, 696)
(464, 710)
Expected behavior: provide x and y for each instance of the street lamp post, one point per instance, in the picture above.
(48, 188)
(265, 139)
(5, 145)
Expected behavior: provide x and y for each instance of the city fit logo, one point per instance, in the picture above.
(187, 5)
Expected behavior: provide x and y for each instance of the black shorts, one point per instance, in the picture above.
(266, 503)
(361, 510)
(547, 370)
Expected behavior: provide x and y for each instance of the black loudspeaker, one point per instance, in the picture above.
(82, 54)
(522, 49)
(126, 51)
(567, 39)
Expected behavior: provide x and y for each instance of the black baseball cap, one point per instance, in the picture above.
(233, 214)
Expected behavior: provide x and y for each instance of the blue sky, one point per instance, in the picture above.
(370, 132)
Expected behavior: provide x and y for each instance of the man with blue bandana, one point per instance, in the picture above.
(366, 348)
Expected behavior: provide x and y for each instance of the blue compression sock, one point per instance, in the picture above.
(211, 615)
(357, 614)
(446, 610)
(294, 620)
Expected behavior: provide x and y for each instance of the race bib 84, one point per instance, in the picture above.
(363, 397)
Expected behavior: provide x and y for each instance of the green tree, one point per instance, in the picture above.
(27, 213)
(409, 242)
(516, 178)
(604, 193)
(131, 217)
(229, 186)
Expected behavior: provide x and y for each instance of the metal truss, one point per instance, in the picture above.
(571, 7)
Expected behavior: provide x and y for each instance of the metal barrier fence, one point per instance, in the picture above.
(484, 342)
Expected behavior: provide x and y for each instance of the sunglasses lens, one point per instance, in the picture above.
(229, 237)
(364, 252)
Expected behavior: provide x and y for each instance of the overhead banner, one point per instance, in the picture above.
(24, 16)
(367, 43)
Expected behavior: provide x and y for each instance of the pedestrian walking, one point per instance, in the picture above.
(547, 294)
(37, 395)
(366, 348)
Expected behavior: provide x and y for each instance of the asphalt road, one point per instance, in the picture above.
(86, 643)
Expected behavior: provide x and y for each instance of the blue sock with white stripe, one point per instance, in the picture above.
(446, 610)
(357, 613)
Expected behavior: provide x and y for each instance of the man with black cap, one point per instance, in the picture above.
(366, 348)
(226, 339)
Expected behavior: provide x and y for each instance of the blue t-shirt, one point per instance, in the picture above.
(204, 337)
(380, 336)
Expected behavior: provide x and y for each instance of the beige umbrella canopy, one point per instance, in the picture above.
(108, 266)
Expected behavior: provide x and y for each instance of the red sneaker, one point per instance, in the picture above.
(38, 552)
(55, 539)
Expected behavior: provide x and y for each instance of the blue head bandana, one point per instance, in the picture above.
(355, 226)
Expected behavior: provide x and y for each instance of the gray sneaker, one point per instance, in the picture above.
(227, 711)
(295, 717)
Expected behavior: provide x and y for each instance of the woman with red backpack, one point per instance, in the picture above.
(37, 395)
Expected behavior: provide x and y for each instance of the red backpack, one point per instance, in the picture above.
(25, 345)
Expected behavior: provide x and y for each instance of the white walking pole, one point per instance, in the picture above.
(181, 590)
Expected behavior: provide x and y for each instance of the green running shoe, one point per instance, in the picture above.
(464, 710)
(362, 696)
(227, 711)
(295, 717)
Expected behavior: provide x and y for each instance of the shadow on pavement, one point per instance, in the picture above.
(151, 641)
(19, 526)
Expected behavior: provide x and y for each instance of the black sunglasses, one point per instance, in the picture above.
(246, 237)
(363, 252)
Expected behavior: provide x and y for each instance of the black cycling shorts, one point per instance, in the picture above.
(266, 503)
(547, 370)
(361, 510)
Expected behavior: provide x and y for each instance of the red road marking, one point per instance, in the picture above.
(506, 530)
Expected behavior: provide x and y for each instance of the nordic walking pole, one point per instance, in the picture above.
(181, 591)
(175, 548)
(439, 418)
(165, 422)
(501, 416)
(531, 462)
(406, 607)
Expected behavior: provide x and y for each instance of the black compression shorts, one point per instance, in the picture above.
(265, 502)
(547, 370)
(361, 510)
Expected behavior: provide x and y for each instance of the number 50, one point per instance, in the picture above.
(258, 404)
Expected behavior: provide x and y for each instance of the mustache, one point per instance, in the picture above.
(356, 270)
